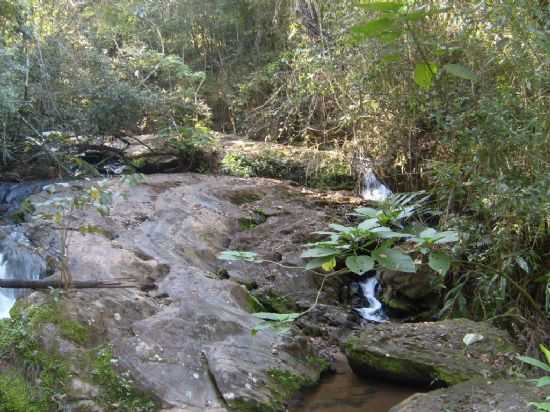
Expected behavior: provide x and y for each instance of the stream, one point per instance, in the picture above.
(346, 392)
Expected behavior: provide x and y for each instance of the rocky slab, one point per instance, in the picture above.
(430, 353)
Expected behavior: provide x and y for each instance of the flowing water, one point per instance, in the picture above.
(17, 261)
(372, 188)
(346, 392)
(374, 312)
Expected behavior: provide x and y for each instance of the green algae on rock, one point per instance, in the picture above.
(430, 353)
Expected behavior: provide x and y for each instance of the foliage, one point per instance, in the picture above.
(380, 240)
(543, 381)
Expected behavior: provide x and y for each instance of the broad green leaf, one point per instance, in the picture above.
(329, 264)
(394, 259)
(544, 381)
(367, 211)
(374, 28)
(541, 406)
(415, 15)
(317, 262)
(546, 352)
(277, 317)
(319, 252)
(428, 233)
(424, 74)
(360, 264)
(237, 255)
(440, 262)
(340, 228)
(446, 237)
(369, 224)
(461, 71)
(382, 6)
(534, 362)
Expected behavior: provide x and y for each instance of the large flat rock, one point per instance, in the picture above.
(189, 340)
(430, 353)
(476, 396)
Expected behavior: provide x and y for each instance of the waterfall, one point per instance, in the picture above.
(17, 261)
(374, 312)
(372, 188)
(6, 301)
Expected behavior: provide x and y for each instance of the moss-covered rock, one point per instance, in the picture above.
(477, 395)
(431, 353)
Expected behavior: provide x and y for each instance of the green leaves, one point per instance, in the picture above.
(394, 259)
(461, 71)
(318, 252)
(360, 264)
(440, 262)
(374, 28)
(535, 362)
(237, 255)
(424, 74)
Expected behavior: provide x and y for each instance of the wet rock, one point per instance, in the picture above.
(478, 396)
(430, 353)
(409, 293)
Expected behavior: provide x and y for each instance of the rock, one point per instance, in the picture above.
(409, 293)
(430, 353)
(476, 395)
(194, 349)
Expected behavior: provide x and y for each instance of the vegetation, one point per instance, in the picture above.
(544, 380)
(446, 97)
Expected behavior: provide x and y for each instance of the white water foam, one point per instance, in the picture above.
(7, 298)
(374, 312)
(373, 189)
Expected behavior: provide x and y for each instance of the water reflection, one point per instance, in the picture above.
(346, 392)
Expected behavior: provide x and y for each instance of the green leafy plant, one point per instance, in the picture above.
(379, 240)
(543, 381)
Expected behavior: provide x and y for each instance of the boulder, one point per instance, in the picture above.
(188, 340)
(430, 353)
(478, 396)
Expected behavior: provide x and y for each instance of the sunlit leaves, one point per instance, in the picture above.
(360, 264)
(424, 74)
(394, 259)
(382, 6)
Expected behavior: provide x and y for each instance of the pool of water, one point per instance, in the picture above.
(346, 392)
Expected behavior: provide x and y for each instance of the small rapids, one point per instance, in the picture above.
(17, 261)
(374, 312)
(372, 188)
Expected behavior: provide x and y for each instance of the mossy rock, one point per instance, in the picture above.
(430, 353)
(476, 395)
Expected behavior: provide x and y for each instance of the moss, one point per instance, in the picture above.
(284, 384)
(247, 223)
(253, 304)
(367, 363)
(15, 394)
(117, 389)
(68, 328)
(277, 304)
(20, 347)
(318, 362)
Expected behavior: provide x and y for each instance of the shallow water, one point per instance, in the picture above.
(346, 392)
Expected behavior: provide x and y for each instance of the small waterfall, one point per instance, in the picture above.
(372, 188)
(17, 261)
(374, 312)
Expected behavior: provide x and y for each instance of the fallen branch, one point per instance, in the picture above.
(58, 284)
